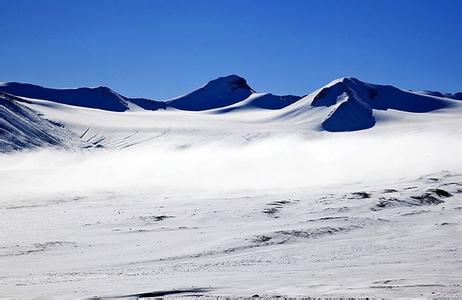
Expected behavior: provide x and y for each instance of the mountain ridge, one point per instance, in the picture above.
(343, 105)
(218, 93)
(100, 97)
(351, 103)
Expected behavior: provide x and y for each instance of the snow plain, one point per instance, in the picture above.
(252, 202)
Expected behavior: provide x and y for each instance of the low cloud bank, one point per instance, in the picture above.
(273, 163)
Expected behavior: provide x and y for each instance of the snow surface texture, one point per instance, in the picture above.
(254, 196)
(388, 239)
(21, 127)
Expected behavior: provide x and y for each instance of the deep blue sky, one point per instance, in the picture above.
(161, 49)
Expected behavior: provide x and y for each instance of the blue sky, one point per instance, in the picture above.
(162, 49)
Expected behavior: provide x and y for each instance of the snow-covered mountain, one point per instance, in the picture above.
(22, 127)
(261, 100)
(221, 92)
(455, 96)
(348, 104)
(99, 97)
(225, 108)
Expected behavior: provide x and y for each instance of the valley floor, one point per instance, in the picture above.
(398, 238)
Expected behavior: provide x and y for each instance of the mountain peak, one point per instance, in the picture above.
(233, 82)
(350, 103)
(217, 93)
(102, 88)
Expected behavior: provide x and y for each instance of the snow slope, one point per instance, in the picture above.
(261, 101)
(217, 93)
(348, 104)
(100, 97)
(21, 127)
(387, 240)
(229, 93)
(455, 96)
